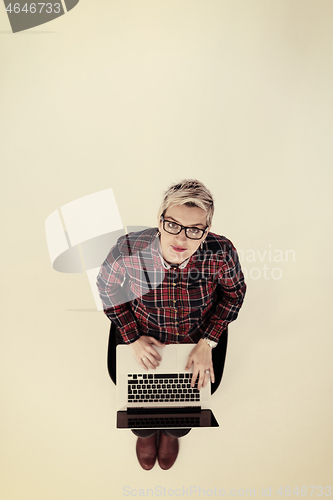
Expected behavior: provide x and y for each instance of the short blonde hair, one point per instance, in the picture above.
(189, 192)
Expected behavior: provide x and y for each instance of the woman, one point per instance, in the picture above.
(173, 284)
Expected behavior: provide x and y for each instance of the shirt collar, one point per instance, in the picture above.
(166, 264)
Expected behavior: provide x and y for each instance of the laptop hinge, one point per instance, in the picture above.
(157, 411)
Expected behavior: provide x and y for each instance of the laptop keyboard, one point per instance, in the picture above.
(163, 422)
(161, 388)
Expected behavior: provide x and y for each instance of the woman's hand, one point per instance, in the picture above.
(145, 353)
(201, 357)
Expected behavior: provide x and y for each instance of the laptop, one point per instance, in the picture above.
(160, 398)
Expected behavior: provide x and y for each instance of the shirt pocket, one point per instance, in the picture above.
(200, 293)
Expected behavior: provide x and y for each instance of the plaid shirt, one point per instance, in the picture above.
(143, 295)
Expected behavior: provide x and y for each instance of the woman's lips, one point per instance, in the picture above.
(178, 249)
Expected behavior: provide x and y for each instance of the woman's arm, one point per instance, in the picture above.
(201, 358)
(115, 303)
(145, 353)
(230, 291)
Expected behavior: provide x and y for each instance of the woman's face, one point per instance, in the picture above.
(177, 247)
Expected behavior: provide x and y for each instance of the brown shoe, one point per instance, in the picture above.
(146, 451)
(167, 451)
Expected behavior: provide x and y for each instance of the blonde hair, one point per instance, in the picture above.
(189, 192)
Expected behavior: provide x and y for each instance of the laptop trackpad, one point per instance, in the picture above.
(169, 356)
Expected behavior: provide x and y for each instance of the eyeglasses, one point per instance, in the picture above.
(193, 233)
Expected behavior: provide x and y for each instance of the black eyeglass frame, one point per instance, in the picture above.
(183, 227)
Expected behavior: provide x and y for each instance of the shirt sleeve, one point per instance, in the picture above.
(115, 303)
(230, 290)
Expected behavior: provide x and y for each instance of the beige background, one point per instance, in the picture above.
(135, 95)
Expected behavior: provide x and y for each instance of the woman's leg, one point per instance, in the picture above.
(169, 446)
(177, 433)
(144, 433)
(146, 447)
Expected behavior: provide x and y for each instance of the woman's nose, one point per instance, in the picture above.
(182, 236)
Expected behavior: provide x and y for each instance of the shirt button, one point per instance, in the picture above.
(174, 301)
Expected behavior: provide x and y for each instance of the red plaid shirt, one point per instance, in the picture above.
(143, 295)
